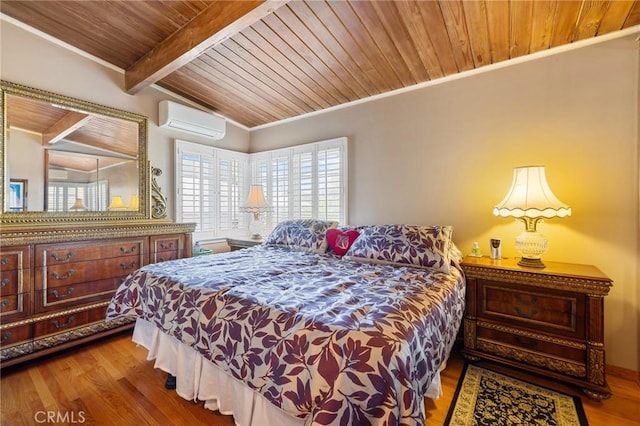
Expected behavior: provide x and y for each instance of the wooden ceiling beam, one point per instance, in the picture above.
(68, 124)
(215, 24)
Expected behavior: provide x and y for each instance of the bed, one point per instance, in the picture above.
(295, 332)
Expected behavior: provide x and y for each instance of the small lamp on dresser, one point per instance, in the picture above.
(117, 203)
(134, 202)
(530, 199)
(78, 205)
(256, 204)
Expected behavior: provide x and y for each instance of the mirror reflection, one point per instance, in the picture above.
(75, 158)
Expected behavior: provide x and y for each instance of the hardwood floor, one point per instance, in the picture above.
(109, 382)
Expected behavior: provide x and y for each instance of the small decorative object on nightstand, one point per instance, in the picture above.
(198, 250)
(546, 321)
(241, 243)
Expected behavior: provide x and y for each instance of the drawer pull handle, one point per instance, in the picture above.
(55, 275)
(125, 251)
(162, 259)
(164, 246)
(5, 337)
(126, 267)
(64, 324)
(526, 343)
(532, 313)
(57, 295)
(4, 303)
(4, 282)
(62, 258)
(4, 261)
(527, 301)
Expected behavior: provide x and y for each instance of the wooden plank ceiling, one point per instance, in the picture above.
(258, 62)
(56, 123)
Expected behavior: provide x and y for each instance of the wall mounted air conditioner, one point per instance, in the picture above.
(186, 119)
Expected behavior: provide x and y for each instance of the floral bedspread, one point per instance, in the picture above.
(326, 339)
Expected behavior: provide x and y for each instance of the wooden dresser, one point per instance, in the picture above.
(547, 321)
(57, 281)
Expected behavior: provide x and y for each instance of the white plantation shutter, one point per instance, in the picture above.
(330, 200)
(232, 184)
(303, 185)
(260, 174)
(211, 185)
(278, 190)
(195, 174)
(307, 181)
(62, 195)
(55, 197)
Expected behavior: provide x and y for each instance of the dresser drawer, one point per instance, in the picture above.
(14, 307)
(557, 312)
(9, 282)
(56, 254)
(67, 322)
(13, 258)
(79, 272)
(165, 256)
(73, 295)
(15, 281)
(15, 335)
(167, 247)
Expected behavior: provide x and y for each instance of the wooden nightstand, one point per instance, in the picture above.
(240, 243)
(547, 321)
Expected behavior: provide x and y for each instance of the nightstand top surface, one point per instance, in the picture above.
(242, 242)
(551, 268)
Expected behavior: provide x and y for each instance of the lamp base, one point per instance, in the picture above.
(255, 227)
(532, 245)
(531, 263)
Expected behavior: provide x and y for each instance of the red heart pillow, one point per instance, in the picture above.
(341, 241)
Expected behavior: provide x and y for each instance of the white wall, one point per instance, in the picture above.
(27, 146)
(32, 61)
(445, 155)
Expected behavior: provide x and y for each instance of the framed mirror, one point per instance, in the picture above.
(82, 161)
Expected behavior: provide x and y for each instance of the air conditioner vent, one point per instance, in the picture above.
(190, 120)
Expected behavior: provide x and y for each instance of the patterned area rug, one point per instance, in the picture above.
(487, 398)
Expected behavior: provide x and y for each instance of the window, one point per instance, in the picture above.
(61, 196)
(307, 181)
(210, 184)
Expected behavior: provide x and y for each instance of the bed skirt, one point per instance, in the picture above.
(198, 379)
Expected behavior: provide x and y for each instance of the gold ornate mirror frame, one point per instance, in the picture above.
(72, 104)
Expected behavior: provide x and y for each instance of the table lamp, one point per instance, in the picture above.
(530, 199)
(256, 204)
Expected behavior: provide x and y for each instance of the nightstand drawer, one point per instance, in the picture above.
(242, 243)
(534, 350)
(538, 345)
(556, 312)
